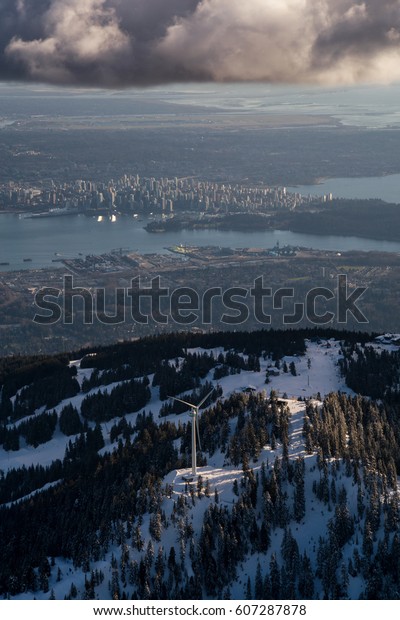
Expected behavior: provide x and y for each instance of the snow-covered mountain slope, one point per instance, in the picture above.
(292, 499)
(322, 377)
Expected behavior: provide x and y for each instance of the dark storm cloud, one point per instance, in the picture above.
(362, 35)
(138, 42)
(17, 21)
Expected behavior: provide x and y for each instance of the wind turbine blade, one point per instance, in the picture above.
(205, 398)
(198, 431)
(181, 401)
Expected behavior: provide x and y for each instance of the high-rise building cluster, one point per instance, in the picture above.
(132, 193)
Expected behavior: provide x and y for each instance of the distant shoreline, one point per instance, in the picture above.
(374, 220)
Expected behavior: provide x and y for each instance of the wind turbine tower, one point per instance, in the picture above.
(194, 414)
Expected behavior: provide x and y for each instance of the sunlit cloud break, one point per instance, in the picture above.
(111, 43)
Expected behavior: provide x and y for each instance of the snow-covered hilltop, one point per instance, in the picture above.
(296, 494)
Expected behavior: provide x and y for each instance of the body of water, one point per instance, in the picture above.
(4, 123)
(386, 188)
(34, 243)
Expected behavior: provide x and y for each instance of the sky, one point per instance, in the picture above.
(125, 43)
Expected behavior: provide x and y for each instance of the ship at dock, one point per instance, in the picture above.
(57, 212)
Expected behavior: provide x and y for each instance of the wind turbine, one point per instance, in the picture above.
(194, 414)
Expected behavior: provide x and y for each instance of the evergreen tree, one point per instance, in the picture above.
(258, 586)
(275, 578)
(70, 422)
(249, 594)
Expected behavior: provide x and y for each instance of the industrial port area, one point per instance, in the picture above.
(176, 257)
(178, 267)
